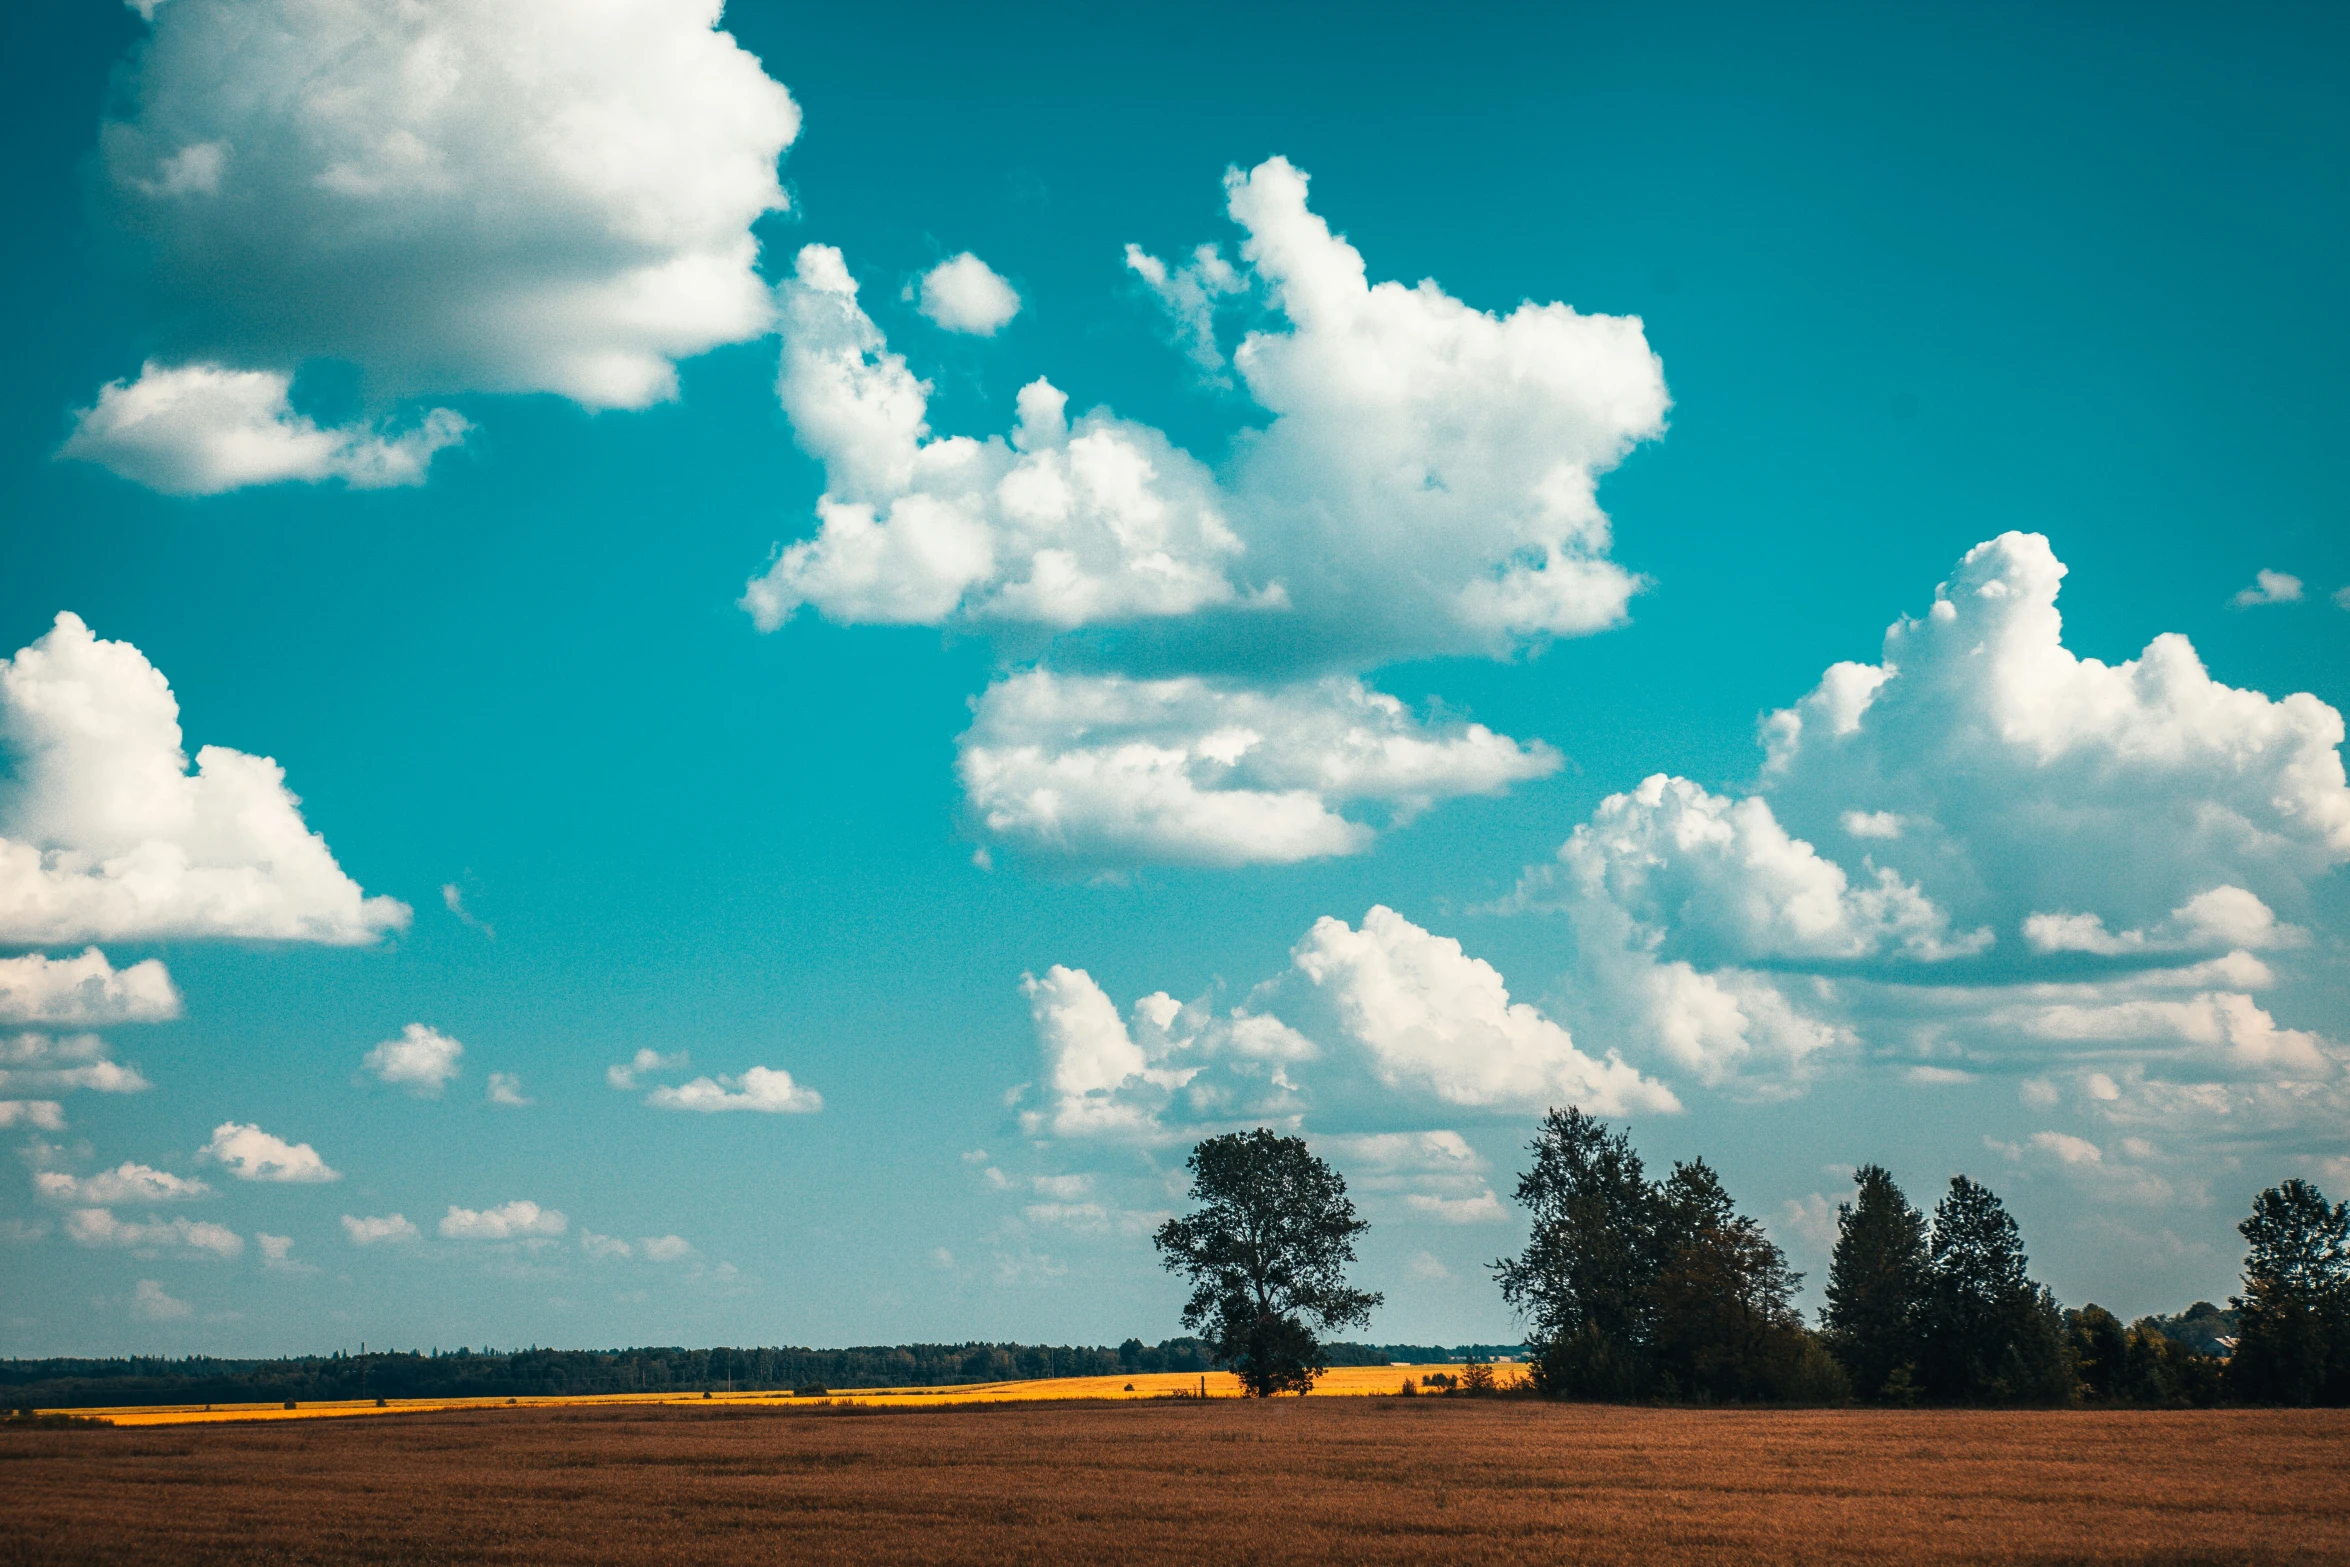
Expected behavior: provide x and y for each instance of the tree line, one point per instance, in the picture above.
(1632, 1288)
(82, 1383)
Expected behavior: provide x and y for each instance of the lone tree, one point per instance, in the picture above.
(1877, 1287)
(1266, 1254)
(2293, 1319)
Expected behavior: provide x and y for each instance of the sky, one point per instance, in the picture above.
(695, 679)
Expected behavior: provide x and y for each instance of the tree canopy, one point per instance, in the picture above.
(2293, 1344)
(1266, 1253)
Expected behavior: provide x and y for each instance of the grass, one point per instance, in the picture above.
(1286, 1484)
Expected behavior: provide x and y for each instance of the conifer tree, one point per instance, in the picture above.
(1991, 1335)
(2293, 1319)
(1877, 1287)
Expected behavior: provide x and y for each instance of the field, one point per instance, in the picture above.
(1319, 1480)
(1341, 1382)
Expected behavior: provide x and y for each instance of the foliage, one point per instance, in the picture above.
(2293, 1343)
(2140, 1364)
(1266, 1254)
(1876, 1287)
(1631, 1289)
(1990, 1334)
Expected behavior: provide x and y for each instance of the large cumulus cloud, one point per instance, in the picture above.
(453, 195)
(106, 835)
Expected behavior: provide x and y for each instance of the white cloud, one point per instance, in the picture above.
(254, 1155)
(1426, 484)
(1108, 1076)
(85, 990)
(126, 1182)
(151, 1302)
(2269, 587)
(2342, 597)
(454, 195)
(47, 1114)
(624, 1075)
(277, 1254)
(1432, 1017)
(1484, 1208)
(453, 899)
(1809, 1223)
(1102, 769)
(1061, 525)
(666, 1248)
(201, 429)
(2220, 920)
(508, 1221)
(964, 294)
(37, 1063)
(106, 835)
(2110, 814)
(422, 1060)
(767, 1089)
(604, 1247)
(389, 1228)
(98, 1227)
(506, 1089)
(1191, 294)
(1425, 1266)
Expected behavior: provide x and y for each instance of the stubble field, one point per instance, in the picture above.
(1357, 1480)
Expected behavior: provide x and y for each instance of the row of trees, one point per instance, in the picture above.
(1632, 1288)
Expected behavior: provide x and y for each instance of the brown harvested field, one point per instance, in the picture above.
(1312, 1481)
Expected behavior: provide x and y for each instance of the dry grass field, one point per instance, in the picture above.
(1357, 1480)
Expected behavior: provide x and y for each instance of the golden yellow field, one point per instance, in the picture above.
(1343, 1381)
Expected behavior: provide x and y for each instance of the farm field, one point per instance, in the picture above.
(1342, 1382)
(1319, 1480)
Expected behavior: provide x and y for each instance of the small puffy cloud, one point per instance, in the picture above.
(1808, 1223)
(200, 429)
(2269, 587)
(506, 1089)
(106, 835)
(1431, 1017)
(1107, 770)
(1191, 294)
(254, 1155)
(99, 1227)
(46, 1114)
(385, 1229)
(604, 1247)
(623, 1075)
(277, 1254)
(517, 1220)
(85, 990)
(151, 1303)
(666, 1248)
(453, 899)
(766, 1089)
(2342, 598)
(464, 195)
(1484, 1208)
(1425, 1267)
(127, 1182)
(1871, 824)
(38, 1063)
(422, 1060)
(1059, 525)
(1120, 1077)
(964, 294)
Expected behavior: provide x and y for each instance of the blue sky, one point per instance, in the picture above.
(1371, 608)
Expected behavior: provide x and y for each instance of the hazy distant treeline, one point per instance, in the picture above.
(538, 1373)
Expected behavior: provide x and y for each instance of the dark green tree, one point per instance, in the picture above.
(2293, 1319)
(1876, 1286)
(1990, 1335)
(1584, 1284)
(1722, 1317)
(1266, 1254)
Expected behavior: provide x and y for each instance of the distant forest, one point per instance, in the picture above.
(539, 1373)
